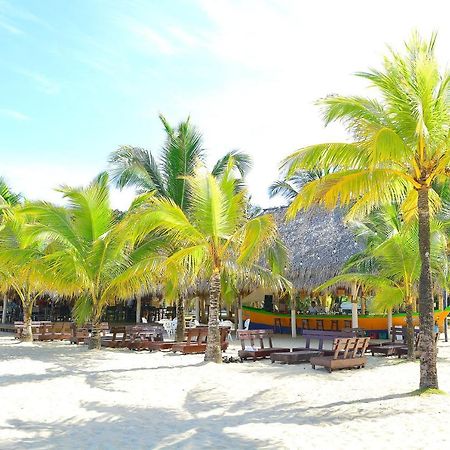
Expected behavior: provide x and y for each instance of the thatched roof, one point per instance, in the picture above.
(318, 242)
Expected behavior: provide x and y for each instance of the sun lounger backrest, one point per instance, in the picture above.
(252, 335)
(350, 347)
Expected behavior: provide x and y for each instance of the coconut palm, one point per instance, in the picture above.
(181, 153)
(93, 255)
(8, 199)
(394, 269)
(214, 236)
(289, 186)
(400, 147)
(22, 264)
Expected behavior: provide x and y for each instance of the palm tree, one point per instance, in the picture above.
(22, 264)
(181, 153)
(289, 186)
(8, 199)
(93, 256)
(215, 238)
(400, 147)
(393, 263)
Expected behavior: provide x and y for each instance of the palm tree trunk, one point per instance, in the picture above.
(138, 308)
(202, 310)
(27, 335)
(179, 335)
(239, 318)
(389, 323)
(410, 329)
(428, 369)
(5, 306)
(213, 351)
(95, 342)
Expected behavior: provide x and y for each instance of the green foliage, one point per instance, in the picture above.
(400, 140)
(91, 255)
(181, 153)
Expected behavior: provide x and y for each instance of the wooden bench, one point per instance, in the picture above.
(348, 353)
(263, 351)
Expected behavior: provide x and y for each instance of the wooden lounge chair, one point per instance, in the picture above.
(348, 353)
(80, 335)
(392, 348)
(39, 329)
(117, 339)
(139, 337)
(263, 351)
(196, 340)
(403, 350)
(61, 331)
(322, 338)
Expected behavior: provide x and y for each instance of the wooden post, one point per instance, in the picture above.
(440, 302)
(293, 318)
(354, 305)
(138, 308)
(240, 318)
(389, 323)
(197, 309)
(5, 305)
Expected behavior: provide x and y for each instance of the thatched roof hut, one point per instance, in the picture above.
(318, 242)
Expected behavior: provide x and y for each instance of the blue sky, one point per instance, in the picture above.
(79, 78)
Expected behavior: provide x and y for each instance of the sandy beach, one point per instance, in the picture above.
(60, 396)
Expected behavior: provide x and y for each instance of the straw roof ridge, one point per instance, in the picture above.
(318, 242)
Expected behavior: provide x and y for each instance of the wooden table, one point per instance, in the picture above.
(294, 357)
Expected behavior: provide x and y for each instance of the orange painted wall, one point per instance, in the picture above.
(366, 322)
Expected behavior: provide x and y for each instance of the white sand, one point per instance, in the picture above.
(61, 396)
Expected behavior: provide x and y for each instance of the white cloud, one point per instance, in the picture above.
(284, 55)
(12, 114)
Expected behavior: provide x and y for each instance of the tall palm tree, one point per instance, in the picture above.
(8, 199)
(22, 264)
(215, 237)
(181, 153)
(400, 147)
(94, 256)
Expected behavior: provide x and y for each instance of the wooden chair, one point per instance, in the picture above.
(347, 323)
(348, 353)
(305, 324)
(251, 351)
(319, 324)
